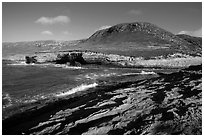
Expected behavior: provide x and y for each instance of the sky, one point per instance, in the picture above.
(72, 21)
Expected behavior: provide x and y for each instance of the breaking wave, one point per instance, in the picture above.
(127, 74)
(141, 73)
(82, 87)
(147, 73)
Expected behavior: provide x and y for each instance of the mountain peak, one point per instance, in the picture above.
(137, 36)
(134, 26)
(134, 32)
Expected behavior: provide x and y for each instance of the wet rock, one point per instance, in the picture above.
(30, 59)
(72, 58)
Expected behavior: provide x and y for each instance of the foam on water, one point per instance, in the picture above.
(82, 87)
(20, 63)
(100, 75)
(64, 66)
(147, 73)
(95, 76)
(67, 67)
(141, 73)
(127, 74)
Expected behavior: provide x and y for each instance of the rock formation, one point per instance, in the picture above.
(30, 59)
(72, 58)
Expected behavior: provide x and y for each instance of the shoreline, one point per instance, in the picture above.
(54, 103)
(82, 89)
(83, 58)
(96, 100)
(110, 65)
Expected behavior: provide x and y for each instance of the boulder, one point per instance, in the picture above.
(72, 58)
(30, 59)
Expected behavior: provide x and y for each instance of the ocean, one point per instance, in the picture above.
(24, 84)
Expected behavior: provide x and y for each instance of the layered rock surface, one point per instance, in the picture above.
(166, 104)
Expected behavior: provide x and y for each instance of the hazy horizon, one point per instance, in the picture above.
(73, 21)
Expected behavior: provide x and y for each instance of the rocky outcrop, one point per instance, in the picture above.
(72, 58)
(30, 59)
(166, 104)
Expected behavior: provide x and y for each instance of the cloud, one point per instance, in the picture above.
(135, 12)
(47, 32)
(196, 33)
(66, 33)
(103, 27)
(53, 20)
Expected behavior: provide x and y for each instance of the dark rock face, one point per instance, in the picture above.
(30, 59)
(166, 104)
(72, 58)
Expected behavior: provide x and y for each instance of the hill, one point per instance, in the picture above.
(138, 39)
(195, 41)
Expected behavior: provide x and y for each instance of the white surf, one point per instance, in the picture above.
(82, 87)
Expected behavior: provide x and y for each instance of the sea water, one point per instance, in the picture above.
(23, 83)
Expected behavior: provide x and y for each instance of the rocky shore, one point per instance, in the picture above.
(78, 58)
(162, 104)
